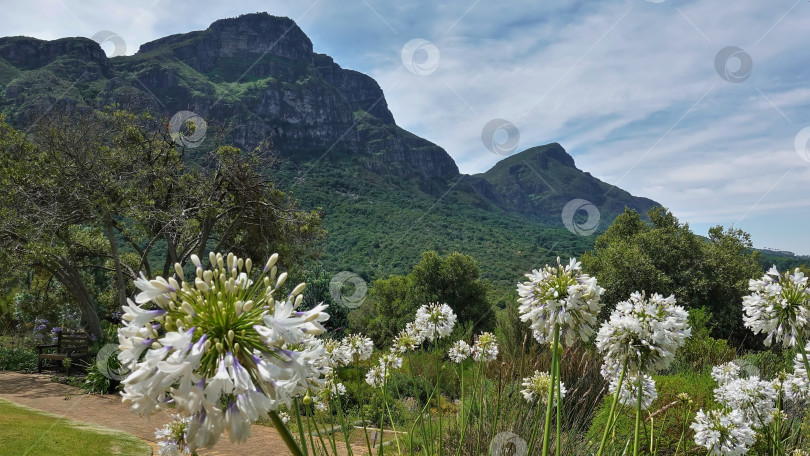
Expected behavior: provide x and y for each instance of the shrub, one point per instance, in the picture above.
(18, 359)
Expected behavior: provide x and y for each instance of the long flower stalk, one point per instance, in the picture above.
(636, 443)
(285, 434)
(552, 386)
(612, 410)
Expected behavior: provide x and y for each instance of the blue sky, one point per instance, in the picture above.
(637, 91)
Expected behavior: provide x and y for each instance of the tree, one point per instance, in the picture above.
(113, 191)
(454, 279)
(664, 256)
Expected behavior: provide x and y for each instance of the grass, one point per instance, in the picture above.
(25, 431)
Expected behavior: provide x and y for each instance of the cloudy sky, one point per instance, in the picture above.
(703, 106)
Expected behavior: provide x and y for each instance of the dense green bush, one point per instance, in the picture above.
(18, 359)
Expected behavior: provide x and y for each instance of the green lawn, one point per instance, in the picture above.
(25, 431)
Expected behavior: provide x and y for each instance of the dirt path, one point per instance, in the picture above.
(37, 391)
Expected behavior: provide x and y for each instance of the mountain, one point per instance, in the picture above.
(386, 194)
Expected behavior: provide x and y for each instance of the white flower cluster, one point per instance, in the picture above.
(485, 347)
(459, 351)
(629, 391)
(753, 397)
(224, 350)
(537, 386)
(778, 306)
(723, 432)
(376, 375)
(797, 384)
(408, 339)
(644, 333)
(358, 346)
(171, 438)
(434, 321)
(563, 296)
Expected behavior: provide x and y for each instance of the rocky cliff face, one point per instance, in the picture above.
(256, 78)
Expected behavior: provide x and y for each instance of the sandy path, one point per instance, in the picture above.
(37, 391)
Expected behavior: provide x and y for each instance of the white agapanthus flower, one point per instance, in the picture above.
(753, 397)
(723, 432)
(359, 347)
(726, 372)
(336, 353)
(459, 351)
(563, 296)
(387, 363)
(779, 306)
(485, 347)
(408, 339)
(434, 321)
(536, 388)
(171, 438)
(797, 385)
(629, 393)
(223, 350)
(643, 332)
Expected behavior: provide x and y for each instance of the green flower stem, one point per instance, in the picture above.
(463, 426)
(559, 407)
(612, 411)
(481, 408)
(438, 388)
(551, 388)
(318, 432)
(536, 426)
(332, 437)
(636, 445)
(302, 438)
(381, 450)
(420, 418)
(343, 427)
(363, 413)
(285, 434)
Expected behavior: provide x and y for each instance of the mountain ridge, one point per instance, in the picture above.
(258, 76)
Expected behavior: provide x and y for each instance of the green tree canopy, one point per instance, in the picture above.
(454, 279)
(115, 193)
(664, 256)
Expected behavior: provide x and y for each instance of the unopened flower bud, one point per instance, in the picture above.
(298, 289)
(248, 265)
(179, 271)
(270, 262)
(298, 300)
(307, 400)
(281, 279)
(230, 260)
(196, 260)
(230, 335)
(202, 286)
(212, 258)
(248, 305)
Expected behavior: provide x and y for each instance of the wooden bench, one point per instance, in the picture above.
(72, 345)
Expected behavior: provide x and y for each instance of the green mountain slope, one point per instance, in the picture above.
(386, 194)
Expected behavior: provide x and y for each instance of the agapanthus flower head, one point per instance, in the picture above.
(459, 351)
(629, 393)
(726, 372)
(537, 386)
(778, 306)
(723, 432)
(387, 363)
(359, 346)
(644, 333)
(171, 438)
(223, 349)
(336, 353)
(485, 347)
(408, 339)
(753, 397)
(560, 295)
(434, 321)
(797, 384)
